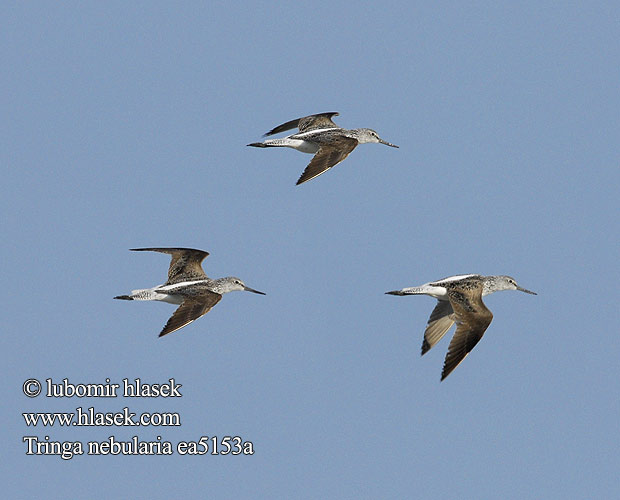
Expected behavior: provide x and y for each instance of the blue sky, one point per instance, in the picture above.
(125, 126)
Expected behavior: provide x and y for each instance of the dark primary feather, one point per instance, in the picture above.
(305, 123)
(185, 264)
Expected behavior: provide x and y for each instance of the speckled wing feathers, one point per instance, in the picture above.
(185, 264)
(320, 120)
(472, 318)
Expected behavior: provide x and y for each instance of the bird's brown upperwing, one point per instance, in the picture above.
(305, 123)
(190, 310)
(328, 156)
(472, 319)
(185, 264)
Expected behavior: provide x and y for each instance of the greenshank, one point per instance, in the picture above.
(459, 299)
(320, 136)
(187, 286)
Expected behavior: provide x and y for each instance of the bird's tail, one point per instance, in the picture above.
(272, 143)
(414, 290)
(141, 294)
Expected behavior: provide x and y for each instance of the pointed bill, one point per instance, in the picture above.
(381, 141)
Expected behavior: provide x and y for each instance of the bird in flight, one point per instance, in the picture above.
(459, 300)
(187, 286)
(320, 136)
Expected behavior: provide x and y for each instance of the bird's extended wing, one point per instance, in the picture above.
(305, 123)
(438, 324)
(185, 264)
(190, 310)
(328, 156)
(472, 319)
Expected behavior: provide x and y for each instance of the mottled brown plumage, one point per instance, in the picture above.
(305, 123)
(188, 286)
(185, 264)
(320, 136)
(472, 318)
(459, 299)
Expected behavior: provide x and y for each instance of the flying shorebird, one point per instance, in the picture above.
(459, 299)
(320, 136)
(187, 285)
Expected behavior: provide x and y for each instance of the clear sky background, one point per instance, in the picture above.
(124, 125)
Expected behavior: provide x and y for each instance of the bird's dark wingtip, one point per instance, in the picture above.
(425, 347)
(444, 373)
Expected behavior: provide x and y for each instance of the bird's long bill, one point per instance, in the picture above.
(248, 289)
(526, 291)
(394, 292)
(381, 141)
